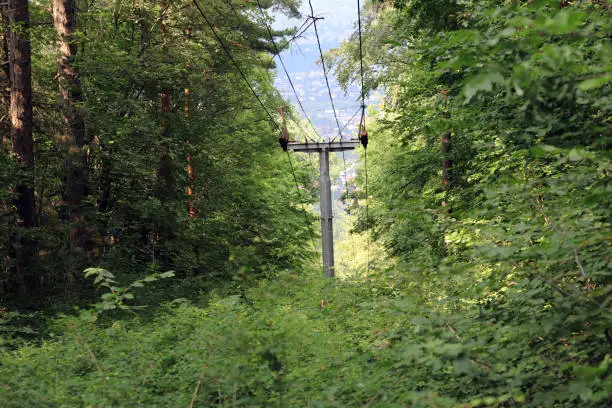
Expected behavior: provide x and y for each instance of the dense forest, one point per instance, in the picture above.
(159, 249)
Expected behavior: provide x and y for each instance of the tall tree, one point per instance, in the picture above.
(190, 169)
(77, 175)
(166, 178)
(191, 211)
(5, 84)
(166, 184)
(20, 112)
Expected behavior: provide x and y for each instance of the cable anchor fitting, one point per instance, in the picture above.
(363, 138)
(284, 136)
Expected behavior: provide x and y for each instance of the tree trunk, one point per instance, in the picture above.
(190, 170)
(76, 184)
(5, 83)
(166, 185)
(20, 112)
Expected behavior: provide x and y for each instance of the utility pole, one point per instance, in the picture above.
(327, 223)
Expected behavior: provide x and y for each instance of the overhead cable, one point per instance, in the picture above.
(361, 58)
(266, 69)
(314, 19)
(263, 15)
(229, 55)
(312, 240)
(265, 109)
(297, 34)
(332, 104)
(362, 128)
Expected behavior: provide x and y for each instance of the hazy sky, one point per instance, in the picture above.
(340, 19)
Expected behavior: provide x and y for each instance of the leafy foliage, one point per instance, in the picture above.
(489, 289)
(520, 234)
(116, 297)
(305, 340)
(135, 62)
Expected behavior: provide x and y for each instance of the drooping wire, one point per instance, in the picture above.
(348, 196)
(267, 71)
(303, 28)
(312, 240)
(332, 103)
(351, 119)
(314, 19)
(343, 128)
(280, 58)
(297, 34)
(363, 106)
(361, 57)
(231, 58)
(365, 165)
(362, 127)
(244, 77)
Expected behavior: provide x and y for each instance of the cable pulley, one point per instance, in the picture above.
(363, 133)
(363, 138)
(284, 136)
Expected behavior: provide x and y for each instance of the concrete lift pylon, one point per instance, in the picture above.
(327, 222)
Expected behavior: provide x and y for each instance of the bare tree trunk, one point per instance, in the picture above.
(20, 112)
(5, 124)
(76, 184)
(190, 170)
(166, 186)
(5, 82)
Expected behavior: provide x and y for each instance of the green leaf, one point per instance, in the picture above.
(594, 83)
(574, 155)
(462, 366)
(165, 275)
(564, 21)
(98, 272)
(583, 389)
(482, 82)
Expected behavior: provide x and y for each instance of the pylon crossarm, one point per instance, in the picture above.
(318, 147)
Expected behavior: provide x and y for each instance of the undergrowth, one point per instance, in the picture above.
(302, 340)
